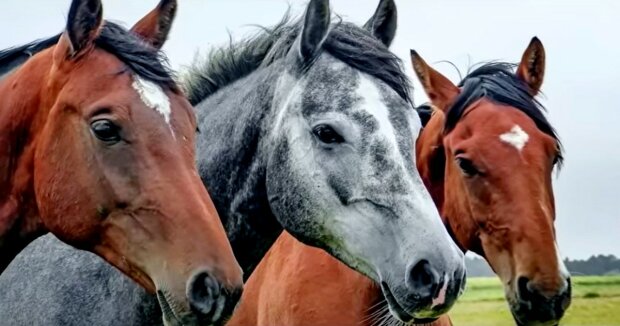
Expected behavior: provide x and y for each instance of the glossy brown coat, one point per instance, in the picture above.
(135, 199)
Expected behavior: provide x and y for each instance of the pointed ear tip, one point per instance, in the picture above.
(536, 42)
(168, 3)
(321, 5)
(415, 55)
(388, 3)
(98, 3)
(77, 7)
(386, 7)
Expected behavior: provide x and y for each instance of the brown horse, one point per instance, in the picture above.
(487, 156)
(97, 147)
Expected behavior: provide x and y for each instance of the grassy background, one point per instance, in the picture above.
(596, 301)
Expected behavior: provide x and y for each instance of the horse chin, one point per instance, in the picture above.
(395, 308)
(170, 322)
(519, 321)
(399, 313)
(169, 315)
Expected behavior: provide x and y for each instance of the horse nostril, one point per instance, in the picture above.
(422, 279)
(202, 293)
(462, 278)
(566, 289)
(565, 296)
(525, 291)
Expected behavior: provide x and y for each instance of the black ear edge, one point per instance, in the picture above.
(416, 62)
(384, 22)
(532, 67)
(83, 23)
(315, 29)
(170, 7)
(168, 10)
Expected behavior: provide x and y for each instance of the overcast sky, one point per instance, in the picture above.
(581, 81)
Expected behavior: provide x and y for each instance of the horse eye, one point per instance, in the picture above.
(467, 167)
(106, 131)
(327, 134)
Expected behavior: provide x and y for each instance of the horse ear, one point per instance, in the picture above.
(439, 89)
(315, 29)
(532, 67)
(383, 23)
(425, 111)
(83, 25)
(155, 26)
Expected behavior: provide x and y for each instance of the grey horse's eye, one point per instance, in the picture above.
(327, 134)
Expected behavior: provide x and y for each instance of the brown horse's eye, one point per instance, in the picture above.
(106, 131)
(327, 134)
(467, 167)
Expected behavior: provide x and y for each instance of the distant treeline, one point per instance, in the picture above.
(595, 265)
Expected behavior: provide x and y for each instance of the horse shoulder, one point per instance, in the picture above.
(297, 284)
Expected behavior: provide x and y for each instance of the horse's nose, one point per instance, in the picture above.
(530, 291)
(526, 292)
(542, 306)
(422, 279)
(209, 299)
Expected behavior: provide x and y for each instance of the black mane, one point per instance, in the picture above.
(15, 56)
(497, 82)
(347, 42)
(141, 58)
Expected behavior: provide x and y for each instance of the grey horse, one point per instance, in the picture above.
(307, 126)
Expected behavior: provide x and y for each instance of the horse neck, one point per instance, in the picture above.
(6, 71)
(231, 160)
(458, 217)
(432, 164)
(14, 58)
(431, 158)
(22, 116)
(7, 68)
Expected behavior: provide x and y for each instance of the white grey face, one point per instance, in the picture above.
(342, 177)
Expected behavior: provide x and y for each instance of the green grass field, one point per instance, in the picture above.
(596, 301)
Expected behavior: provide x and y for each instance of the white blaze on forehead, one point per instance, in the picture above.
(293, 94)
(374, 104)
(515, 137)
(153, 96)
